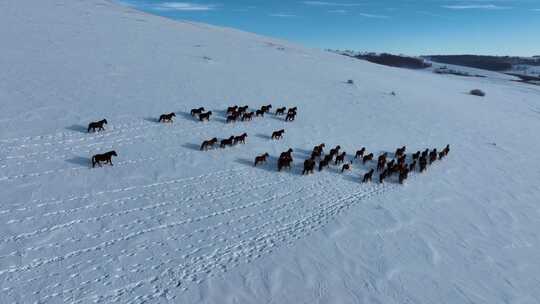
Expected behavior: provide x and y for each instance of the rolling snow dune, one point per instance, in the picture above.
(171, 224)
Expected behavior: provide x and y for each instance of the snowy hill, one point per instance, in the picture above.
(171, 224)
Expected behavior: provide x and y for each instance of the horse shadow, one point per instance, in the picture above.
(271, 166)
(80, 161)
(77, 128)
(264, 136)
(151, 119)
(192, 146)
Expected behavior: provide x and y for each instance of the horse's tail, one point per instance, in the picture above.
(202, 146)
(89, 127)
(93, 161)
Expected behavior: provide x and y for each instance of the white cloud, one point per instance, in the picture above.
(184, 6)
(338, 11)
(374, 16)
(324, 3)
(475, 6)
(283, 15)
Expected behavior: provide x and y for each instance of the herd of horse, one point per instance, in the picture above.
(234, 113)
(386, 167)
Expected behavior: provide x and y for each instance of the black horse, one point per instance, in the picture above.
(106, 158)
(197, 111)
(167, 117)
(97, 125)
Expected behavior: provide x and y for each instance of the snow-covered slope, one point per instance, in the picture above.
(171, 224)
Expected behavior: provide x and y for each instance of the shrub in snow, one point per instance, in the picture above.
(477, 92)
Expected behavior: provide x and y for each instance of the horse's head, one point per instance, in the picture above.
(104, 121)
(113, 153)
(209, 113)
(202, 109)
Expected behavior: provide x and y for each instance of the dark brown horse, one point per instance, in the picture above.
(278, 134)
(400, 151)
(290, 117)
(367, 158)
(346, 167)
(166, 117)
(324, 163)
(242, 109)
(286, 154)
(284, 162)
(232, 109)
(227, 142)
(197, 111)
(233, 117)
(241, 139)
(261, 159)
(205, 116)
(97, 125)
(281, 111)
(368, 176)
(105, 157)
(208, 144)
(309, 166)
(266, 109)
(360, 153)
(340, 158)
(259, 113)
(423, 163)
(403, 175)
(247, 116)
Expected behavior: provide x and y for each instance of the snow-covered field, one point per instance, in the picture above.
(171, 224)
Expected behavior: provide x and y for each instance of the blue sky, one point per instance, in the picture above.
(415, 27)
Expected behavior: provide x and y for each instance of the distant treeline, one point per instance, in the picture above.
(399, 61)
(491, 63)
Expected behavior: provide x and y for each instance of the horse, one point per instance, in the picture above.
(309, 166)
(432, 156)
(412, 166)
(242, 109)
(290, 117)
(284, 162)
(425, 153)
(382, 157)
(227, 142)
(208, 144)
(105, 157)
(286, 154)
(259, 113)
(423, 164)
(97, 125)
(367, 158)
(401, 159)
(403, 174)
(340, 158)
(368, 176)
(292, 111)
(278, 134)
(232, 109)
(381, 163)
(446, 150)
(205, 116)
(335, 150)
(166, 117)
(266, 109)
(324, 163)
(416, 155)
(280, 111)
(400, 151)
(233, 117)
(240, 139)
(261, 159)
(360, 153)
(346, 167)
(197, 111)
(247, 116)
